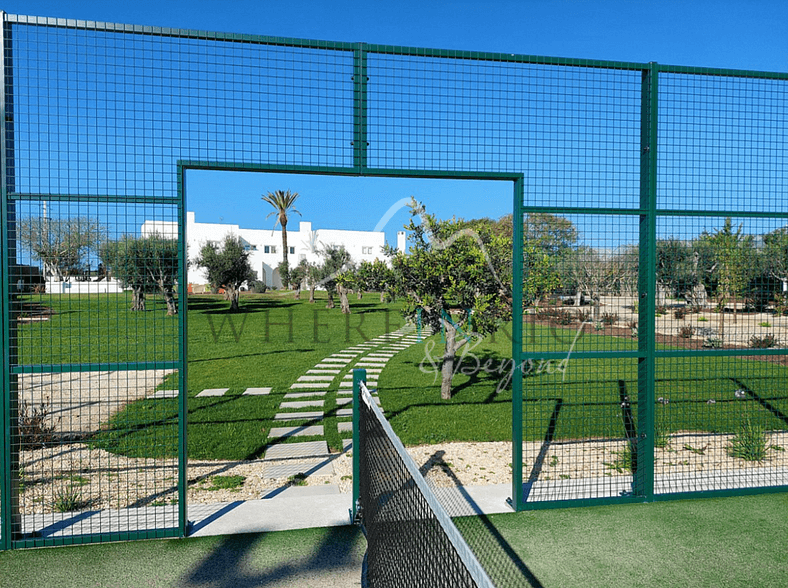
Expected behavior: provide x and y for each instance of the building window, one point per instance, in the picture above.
(292, 250)
(366, 250)
(269, 249)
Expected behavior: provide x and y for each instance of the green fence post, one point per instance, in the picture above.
(360, 108)
(517, 346)
(359, 376)
(643, 477)
(9, 456)
(183, 280)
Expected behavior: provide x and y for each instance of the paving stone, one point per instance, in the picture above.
(304, 394)
(298, 385)
(213, 392)
(297, 416)
(302, 404)
(302, 431)
(363, 364)
(310, 468)
(297, 450)
(320, 371)
(345, 427)
(256, 391)
(335, 360)
(347, 444)
(345, 412)
(346, 384)
(327, 365)
(158, 394)
(324, 378)
(344, 354)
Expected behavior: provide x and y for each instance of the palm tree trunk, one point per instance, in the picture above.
(283, 222)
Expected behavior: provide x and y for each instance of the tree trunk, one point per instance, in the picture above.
(312, 294)
(382, 296)
(447, 366)
(360, 292)
(233, 296)
(297, 292)
(283, 222)
(344, 303)
(169, 298)
(330, 298)
(137, 299)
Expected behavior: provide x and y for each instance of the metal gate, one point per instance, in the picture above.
(624, 174)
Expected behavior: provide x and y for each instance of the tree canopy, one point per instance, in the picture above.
(457, 277)
(227, 266)
(146, 265)
(61, 244)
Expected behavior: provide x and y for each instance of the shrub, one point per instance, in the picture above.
(680, 313)
(712, 343)
(765, 324)
(749, 442)
(257, 286)
(35, 430)
(702, 319)
(764, 342)
(661, 309)
(609, 318)
(686, 332)
(68, 499)
(563, 317)
(583, 316)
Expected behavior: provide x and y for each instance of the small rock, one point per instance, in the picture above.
(740, 394)
(711, 401)
(662, 400)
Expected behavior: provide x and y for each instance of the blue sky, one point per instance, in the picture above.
(728, 34)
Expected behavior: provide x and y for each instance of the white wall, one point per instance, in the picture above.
(305, 243)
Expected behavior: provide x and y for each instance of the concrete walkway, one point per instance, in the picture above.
(326, 509)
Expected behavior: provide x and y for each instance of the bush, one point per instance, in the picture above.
(609, 318)
(680, 313)
(35, 431)
(257, 287)
(764, 342)
(661, 309)
(583, 316)
(564, 317)
(712, 343)
(686, 332)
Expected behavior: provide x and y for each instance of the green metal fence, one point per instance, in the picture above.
(624, 175)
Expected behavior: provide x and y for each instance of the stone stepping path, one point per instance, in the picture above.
(297, 450)
(290, 395)
(212, 392)
(298, 416)
(158, 394)
(256, 392)
(302, 404)
(309, 389)
(302, 431)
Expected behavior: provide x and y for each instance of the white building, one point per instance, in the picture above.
(265, 245)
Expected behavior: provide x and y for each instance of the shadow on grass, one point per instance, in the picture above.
(495, 554)
(231, 563)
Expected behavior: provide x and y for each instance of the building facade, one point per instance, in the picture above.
(265, 245)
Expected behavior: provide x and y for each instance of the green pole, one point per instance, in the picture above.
(360, 109)
(643, 478)
(183, 287)
(517, 345)
(359, 376)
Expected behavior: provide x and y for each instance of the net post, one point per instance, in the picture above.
(359, 377)
(516, 501)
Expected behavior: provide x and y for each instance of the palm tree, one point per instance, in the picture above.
(283, 203)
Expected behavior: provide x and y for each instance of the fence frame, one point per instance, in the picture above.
(647, 212)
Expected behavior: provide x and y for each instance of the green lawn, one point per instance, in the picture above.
(275, 339)
(722, 542)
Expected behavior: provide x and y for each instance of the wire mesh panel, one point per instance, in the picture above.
(411, 540)
(574, 132)
(95, 315)
(109, 109)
